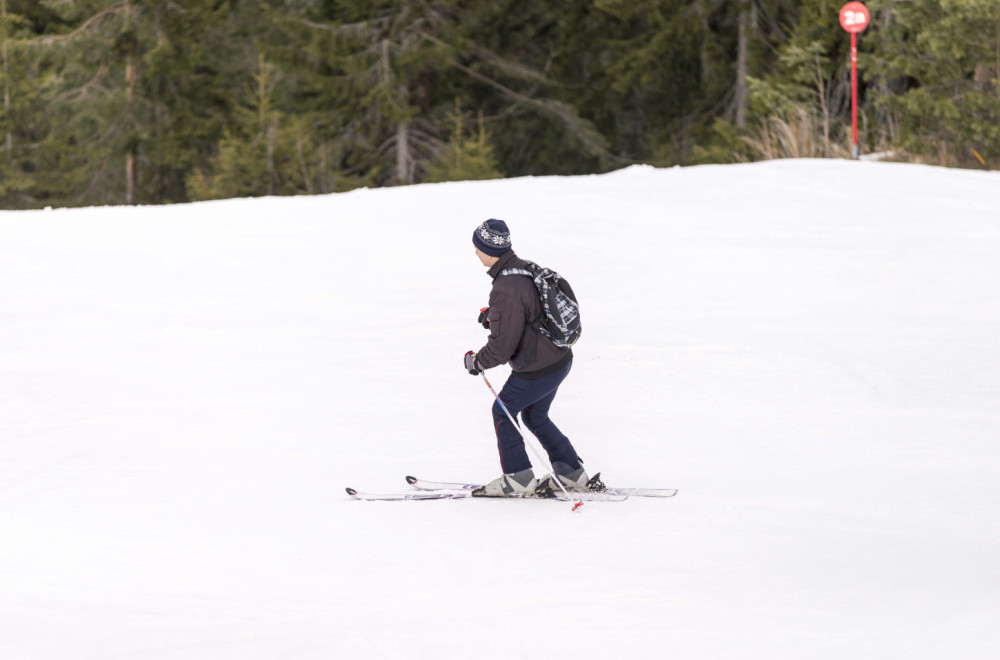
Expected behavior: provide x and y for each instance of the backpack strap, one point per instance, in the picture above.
(516, 271)
(535, 324)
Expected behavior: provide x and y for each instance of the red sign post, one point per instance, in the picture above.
(854, 18)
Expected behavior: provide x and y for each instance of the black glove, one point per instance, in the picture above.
(470, 364)
(484, 317)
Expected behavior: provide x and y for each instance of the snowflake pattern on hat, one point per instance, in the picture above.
(494, 238)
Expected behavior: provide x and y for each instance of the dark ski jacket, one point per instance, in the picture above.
(514, 306)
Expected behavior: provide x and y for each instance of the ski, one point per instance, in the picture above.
(421, 484)
(433, 486)
(466, 493)
(400, 497)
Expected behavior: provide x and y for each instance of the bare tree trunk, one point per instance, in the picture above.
(9, 138)
(271, 136)
(327, 183)
(131, 169)
(303, 165)
(823, 106)
(404, 174)
(267, 125)
(742, 95)
(403, 171)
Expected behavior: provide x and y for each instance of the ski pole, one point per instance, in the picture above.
(529, 444)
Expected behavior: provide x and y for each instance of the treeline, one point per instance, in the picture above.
(160, 101)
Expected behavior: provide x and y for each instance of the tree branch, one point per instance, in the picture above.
(48, 41)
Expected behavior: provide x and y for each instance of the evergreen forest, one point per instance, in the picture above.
(166, 101)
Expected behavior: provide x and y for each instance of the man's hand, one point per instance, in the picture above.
(484, 314)
(470, 364)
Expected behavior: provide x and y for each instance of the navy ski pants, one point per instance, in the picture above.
(531, 398)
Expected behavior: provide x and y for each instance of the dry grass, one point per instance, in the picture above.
(798, 133)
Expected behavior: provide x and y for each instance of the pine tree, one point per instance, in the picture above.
(535, 70)
(940, 64)
(463, 159)
(15, 180)
(265, 151)
(137, 89)
(660, 66)
(245, 163)
(372, 75)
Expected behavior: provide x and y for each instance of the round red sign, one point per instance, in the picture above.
(854, 17)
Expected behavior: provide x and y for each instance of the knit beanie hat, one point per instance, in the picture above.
(492, 238)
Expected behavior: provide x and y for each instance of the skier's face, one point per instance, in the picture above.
(485, 259)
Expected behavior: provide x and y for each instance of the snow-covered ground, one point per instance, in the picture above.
(808, 350)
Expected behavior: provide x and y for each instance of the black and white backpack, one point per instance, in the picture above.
(560, 320)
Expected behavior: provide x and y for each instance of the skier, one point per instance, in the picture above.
(538, 368)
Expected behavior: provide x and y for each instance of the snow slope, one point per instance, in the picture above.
(185, 392)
